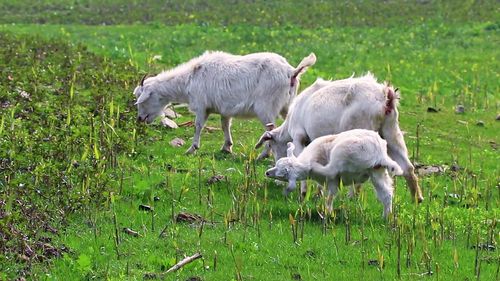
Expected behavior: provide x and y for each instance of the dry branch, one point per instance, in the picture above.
(184, 262)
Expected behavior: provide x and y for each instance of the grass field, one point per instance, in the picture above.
(75, 166)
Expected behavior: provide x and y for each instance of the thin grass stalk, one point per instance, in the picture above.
(237, 268)
(416, 157)
(215, 261)
(477, 264)
(398, 268)
(200, 166)
(116, 233)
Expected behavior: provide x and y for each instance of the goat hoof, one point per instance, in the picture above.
(191, 150)
(387, 213)
(227, 150)
(286, 192)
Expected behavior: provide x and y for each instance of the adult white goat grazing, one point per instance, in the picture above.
(352, 156)
(259, 84)
(331, 107)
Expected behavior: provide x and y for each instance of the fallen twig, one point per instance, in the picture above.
(186, 124)
(152, 275)
(130, 232)
(184, 262)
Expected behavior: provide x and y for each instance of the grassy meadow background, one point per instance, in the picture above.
(75, 167)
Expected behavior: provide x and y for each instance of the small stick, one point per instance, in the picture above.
(130, 232)
(184, 262)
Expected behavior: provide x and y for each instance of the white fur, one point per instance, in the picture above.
(255, 85)
(331, 107)
(352, 156)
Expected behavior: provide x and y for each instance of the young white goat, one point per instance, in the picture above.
(331, 107)
(352, 156)
(260, 84)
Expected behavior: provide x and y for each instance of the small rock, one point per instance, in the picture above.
(493, 145)
(429, 170)
(214, 179)
(432, 109)
(211, 129)
(24, 95)
(166, 122)
(151, 275)
(486, 247)
(459, 109)
(187, 217)
(310, 254)
(480, 123)
(147, 208)
(50, 251)
(6, 104)
(170, 113)
(498, 117)
(427, 273)
(177, 142)
(130, 232)
(455, 168)
(156, 198)
(373, 262)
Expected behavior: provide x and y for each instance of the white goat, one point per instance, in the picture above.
(331, 107)
(352, 156)
(260, 84)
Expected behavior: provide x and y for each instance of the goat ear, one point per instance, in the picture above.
(265, 137)
(290, 149)
(270, 126)
(143, 97)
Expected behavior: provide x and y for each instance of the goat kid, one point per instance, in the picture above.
(352, 156)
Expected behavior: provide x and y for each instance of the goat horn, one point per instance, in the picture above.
(143, 78)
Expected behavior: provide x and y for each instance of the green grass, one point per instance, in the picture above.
(81, 111)
(276, 14)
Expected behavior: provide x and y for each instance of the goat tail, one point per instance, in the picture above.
(392, 167)
(392, 97)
